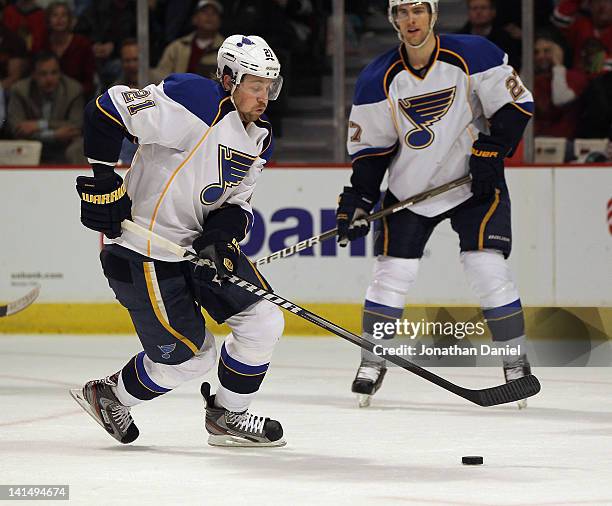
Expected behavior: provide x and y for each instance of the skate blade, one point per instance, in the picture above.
(229, 441)
(77, 395)
(364, 400)
(522, 404)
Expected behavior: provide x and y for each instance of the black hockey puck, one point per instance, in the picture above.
(472, 460)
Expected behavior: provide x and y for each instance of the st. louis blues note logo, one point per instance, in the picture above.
(166, 349)
(423, 111)
(233, 167)
(245, 42)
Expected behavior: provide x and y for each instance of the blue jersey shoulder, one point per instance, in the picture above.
(370, 87)
(197, 94)
(479, 53)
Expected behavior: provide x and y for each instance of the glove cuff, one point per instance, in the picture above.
(101, 170)
(352, 198)
(210, 237)
(486, 147)
(105, 190)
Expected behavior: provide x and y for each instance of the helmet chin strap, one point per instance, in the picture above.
(429, 33)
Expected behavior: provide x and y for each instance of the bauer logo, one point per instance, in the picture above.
(289, 225)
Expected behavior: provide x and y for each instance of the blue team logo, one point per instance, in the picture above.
(233, 167)
(423, 111)
(245, 42)
(166, 349)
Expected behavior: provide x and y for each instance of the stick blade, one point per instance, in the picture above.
(512, 391)
(21, 303)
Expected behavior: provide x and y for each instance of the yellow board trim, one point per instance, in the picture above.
(486, 219)
(147, 266)
(112, 318)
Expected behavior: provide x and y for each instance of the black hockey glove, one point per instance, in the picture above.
(350, 216)
(486, 168)
(219, 258)
(104, 203)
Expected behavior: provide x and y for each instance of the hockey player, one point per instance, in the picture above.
(430, 111)
(202, 146)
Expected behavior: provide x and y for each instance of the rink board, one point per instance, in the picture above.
(562, 249)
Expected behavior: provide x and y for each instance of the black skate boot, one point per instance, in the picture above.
(516, 369)
(102, 404)
(229, 428)
(368, 380)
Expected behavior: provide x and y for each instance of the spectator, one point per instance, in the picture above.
(556, 90)
(107, 23)
(481, 21)
(196, 52)
(49, 107)
(594, 58)
(129, 64)
(27, 20)
(73, 50)
(13, 56)
(129, 77)
(579, 27)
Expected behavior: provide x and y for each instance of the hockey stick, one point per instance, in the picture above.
(509, 392)
(415, 199)
(19, 304)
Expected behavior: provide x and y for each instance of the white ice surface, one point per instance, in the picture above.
(405, 449)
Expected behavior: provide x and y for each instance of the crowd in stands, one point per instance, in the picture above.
(572, 61)
(57, 55)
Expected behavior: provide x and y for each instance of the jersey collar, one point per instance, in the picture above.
(420, 74)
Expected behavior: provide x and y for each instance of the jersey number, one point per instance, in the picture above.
(356, 137)
(132, 95)
(514, 85)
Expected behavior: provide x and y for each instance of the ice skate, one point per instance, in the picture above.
(228, 428)
(368, 380)
(98, 399)
(515, 370)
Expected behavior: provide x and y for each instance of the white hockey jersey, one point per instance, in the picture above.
(432, 121)
(195, 156)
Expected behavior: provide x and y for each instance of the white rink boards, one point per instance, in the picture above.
(405, 449)
(562, 248)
